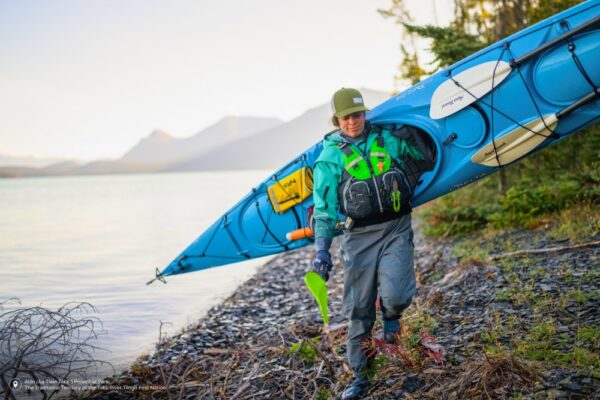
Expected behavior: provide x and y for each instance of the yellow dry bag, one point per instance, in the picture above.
(291, 190)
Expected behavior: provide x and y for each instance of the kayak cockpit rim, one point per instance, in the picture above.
(433, 140)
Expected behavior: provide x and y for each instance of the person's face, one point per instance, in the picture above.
(353, 124)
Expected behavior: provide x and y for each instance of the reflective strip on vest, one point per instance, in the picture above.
(352, 163)
(378, 154)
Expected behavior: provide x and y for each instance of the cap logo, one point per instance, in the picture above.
(358, 100)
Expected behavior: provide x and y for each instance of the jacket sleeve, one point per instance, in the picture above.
(326, 179)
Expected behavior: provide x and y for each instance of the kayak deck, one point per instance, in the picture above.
(514, 98)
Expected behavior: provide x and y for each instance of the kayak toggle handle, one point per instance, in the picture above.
(301, 233)
(307, 232)
(159, 276)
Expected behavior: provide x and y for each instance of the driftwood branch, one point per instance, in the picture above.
(37, 343)
(547, 250)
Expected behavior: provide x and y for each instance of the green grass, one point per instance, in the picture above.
(537, 272)
(526, 205)
(543, 344)
(507, 265)
(504, 295)
(577, 222)
(537, 338)
(520, 294)
(418, 322)
(566, 273)
(557, 191)
(589, 335)
(543, 331)
(436, 277)
(304, 351)
(590, 276)
(578, 295)
(468, 250)
(324, 394)
(490, 338)
(376, 365)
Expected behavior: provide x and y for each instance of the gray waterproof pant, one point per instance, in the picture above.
(376, 258)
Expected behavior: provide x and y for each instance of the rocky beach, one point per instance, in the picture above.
(493, 318)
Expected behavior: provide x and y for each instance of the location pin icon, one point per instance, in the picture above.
(15, 383)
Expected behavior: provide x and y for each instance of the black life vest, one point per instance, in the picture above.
(374, 188)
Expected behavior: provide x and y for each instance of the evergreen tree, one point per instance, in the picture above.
(476, 24)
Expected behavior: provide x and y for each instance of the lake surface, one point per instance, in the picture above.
(99, 239)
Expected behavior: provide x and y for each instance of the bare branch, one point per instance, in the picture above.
(39, 343)
(546, 250)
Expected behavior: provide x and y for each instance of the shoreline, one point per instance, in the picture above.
(476, 309)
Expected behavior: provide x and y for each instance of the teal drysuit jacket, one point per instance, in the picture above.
(328, 173)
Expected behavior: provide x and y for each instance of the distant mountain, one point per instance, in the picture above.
(232, 143)
(273, 147)
(60, 168)
(99, 167)
(160, 147)
(105, 167)
(32, 162)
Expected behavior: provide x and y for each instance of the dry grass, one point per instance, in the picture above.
(493, 376)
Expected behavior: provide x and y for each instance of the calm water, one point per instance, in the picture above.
(99, 239)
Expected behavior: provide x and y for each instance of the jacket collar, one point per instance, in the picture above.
(339, 134)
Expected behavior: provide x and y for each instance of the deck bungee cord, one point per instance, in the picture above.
(516, 64)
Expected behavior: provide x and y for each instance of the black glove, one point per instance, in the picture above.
(323, 264)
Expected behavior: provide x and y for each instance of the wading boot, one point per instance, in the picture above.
(356, 389)
(391, 329)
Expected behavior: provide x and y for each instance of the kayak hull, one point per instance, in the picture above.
(482, 113)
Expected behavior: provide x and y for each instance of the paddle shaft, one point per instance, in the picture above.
(584, 100)
(553, 42)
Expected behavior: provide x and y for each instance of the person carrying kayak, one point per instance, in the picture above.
(367, 173)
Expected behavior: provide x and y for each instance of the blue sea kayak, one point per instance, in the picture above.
(503, 103)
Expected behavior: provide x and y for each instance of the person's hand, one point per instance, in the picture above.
(323, 264)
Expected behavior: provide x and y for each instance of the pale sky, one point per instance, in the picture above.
(87, 79)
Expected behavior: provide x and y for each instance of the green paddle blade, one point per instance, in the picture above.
(317, 286)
